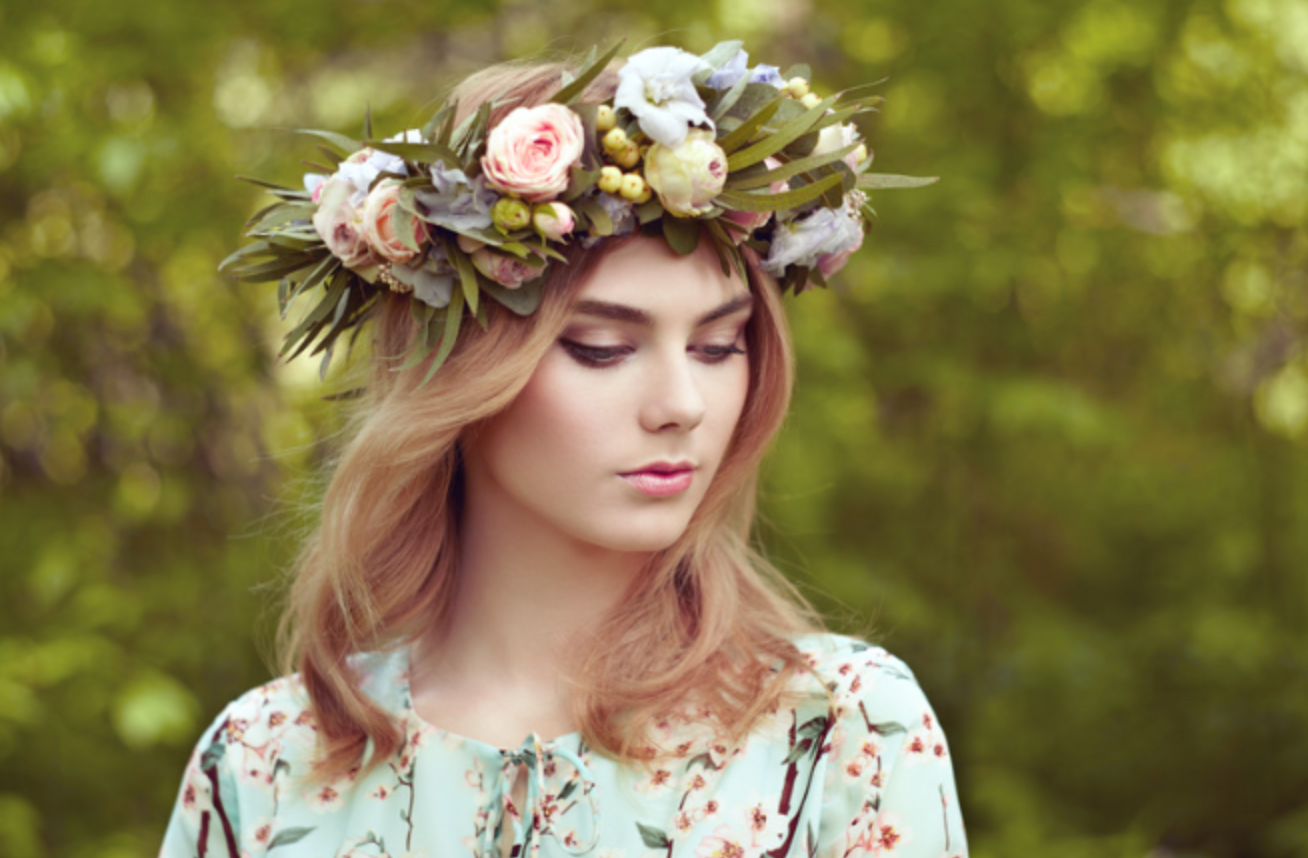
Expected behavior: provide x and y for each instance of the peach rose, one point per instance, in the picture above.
(530, 153)
(379, 211)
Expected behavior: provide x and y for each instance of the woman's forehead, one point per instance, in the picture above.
(644, 273)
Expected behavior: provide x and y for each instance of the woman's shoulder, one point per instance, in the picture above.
(275, 721)
(863, 681)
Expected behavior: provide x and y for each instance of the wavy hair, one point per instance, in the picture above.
(709, 622)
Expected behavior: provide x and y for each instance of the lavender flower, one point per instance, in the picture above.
(656, 87)
(456, 203)
(803, 240)
(767, 74)
(731, 71)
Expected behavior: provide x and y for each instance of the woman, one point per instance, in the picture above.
(540, 525)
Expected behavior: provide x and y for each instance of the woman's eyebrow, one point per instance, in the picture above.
(625, 313)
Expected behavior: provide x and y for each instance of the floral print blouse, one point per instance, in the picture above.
(862, 771)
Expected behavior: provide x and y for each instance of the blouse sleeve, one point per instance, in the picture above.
(890, 782)
(206, 817)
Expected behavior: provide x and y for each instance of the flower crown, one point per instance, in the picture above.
(455, 214)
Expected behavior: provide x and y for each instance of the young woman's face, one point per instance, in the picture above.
(620, 430)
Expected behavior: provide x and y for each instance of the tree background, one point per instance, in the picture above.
(1050, 441)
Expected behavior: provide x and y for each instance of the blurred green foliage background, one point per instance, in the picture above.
(1050, 438)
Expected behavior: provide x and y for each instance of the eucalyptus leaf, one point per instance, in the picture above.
(521, 301)
(682, 234)
(346, 146)
(775, 142)
(574, 90)
(879, 181)
(742, 134)
(755, 202)
(789, 169)
(426, 153)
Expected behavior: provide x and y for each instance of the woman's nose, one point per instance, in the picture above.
(672, 398)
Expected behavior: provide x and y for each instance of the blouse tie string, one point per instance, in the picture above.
(544, 808)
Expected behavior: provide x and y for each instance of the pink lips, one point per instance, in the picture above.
(662, 478)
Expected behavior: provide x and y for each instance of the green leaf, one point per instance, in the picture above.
(777, 141)
(574, 90)
(681, 233)
(340, 141)
(797, 753)
(274, 269)
(579, 182)
(791, 168)
(453, 318)
(325, 269)
(438, 127)
(755, 202)
(467, 275)
(715, 57)
(258, 248)
(880, 181)
(746, 129)
(728, 99)
(799, 70)
(287, 836)
(421, 153)
(652, 837)
(522, 301)
(404, 229)
(599, 218)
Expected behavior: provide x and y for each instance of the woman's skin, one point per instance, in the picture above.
(552, 533)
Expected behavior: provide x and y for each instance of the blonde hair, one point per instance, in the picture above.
(710, 621)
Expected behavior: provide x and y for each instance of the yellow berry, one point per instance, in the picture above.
(643, 196)
(633, 185)
(860, 154)
(605, 118)
(798, 87)
(810, 100)
(628, 157)
(615, 140)
(610, 180)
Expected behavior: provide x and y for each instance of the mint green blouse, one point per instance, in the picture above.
(862, 771)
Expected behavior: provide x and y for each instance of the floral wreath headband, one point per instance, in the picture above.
(453, 215)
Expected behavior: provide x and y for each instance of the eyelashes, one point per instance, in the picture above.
(604, 356)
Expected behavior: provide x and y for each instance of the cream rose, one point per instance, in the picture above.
(379, 227)
(530, 153)
(688, 176)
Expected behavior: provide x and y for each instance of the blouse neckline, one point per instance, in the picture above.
(483, 748)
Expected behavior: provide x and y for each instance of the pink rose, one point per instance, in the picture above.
(754, 220)
(531, 151)
(830, 263)
(554, 221)
(340, 225)
(507, 271)
(379, 227)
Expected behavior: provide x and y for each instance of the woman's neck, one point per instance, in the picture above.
(525, 597)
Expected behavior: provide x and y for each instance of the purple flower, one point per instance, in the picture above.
(823, 232)
(767, 74)
(456, 203)
(730, 72)
(656, 87)
(620, 211)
